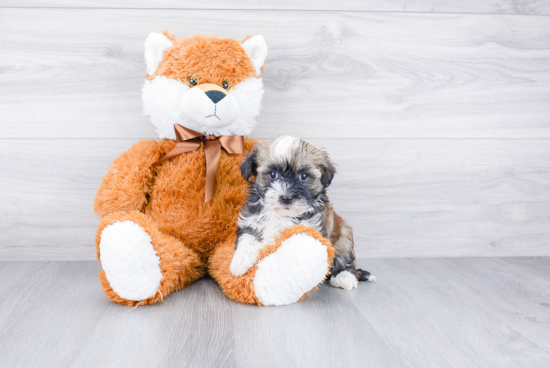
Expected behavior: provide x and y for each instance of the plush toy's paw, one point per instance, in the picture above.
(344, 280)
(298, 265)
(129, 261)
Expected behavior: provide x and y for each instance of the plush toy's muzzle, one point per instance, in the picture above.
(209, 105)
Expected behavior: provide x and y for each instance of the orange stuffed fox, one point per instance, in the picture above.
(169, 207)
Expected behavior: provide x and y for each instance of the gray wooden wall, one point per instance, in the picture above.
(436, 112)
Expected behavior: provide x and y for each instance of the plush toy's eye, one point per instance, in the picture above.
(273, 175)
(225, 85)
(304, 176)
(193, 81)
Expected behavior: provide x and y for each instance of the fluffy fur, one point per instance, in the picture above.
(172, 195)
(162, 99)
(179, 265)
(299, 265)
(167, 222)
(288, 181)
(243, 288)
(169, 98)
(129, 260)
(155, 45)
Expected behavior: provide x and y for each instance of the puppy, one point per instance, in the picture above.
(289, 188)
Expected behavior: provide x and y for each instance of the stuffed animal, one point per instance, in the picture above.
(169, 207)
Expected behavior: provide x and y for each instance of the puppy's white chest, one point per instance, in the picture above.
(274, 226)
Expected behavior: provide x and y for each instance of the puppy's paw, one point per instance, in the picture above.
(344, 280)
(363, 275)
(242, 262)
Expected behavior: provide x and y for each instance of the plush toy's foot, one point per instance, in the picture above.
(129, 261)
(298, 265)
(286, 271)
(140, 264)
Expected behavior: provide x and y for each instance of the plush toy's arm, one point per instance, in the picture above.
(128, 182)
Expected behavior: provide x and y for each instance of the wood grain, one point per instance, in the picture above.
(77, 73)
(59, 317)
(536, 265)
(46, 315)
(464, 312)
(427, 6)
(194, 330)
(421, 313)
(404, 198)
(323, 331)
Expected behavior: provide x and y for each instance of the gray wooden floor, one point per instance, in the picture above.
(461, 312)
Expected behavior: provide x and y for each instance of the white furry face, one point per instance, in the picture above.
(218, 109)
(170, 102)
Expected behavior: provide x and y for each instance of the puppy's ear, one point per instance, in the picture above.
(328, 170)
(249, 166)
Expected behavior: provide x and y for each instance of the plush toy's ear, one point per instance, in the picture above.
(256, 49)
(155, 45)
(328, 170)
(248, 167)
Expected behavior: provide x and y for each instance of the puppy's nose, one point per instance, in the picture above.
(286, 199)
(215, 96)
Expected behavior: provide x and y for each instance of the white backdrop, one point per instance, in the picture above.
(438, 116)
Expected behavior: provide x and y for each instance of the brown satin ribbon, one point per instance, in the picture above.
(190, 140)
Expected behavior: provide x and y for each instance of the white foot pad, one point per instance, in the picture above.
(129, 260)
(298, 265)
(344, 280)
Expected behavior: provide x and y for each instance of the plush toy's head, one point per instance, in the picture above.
(203, 83)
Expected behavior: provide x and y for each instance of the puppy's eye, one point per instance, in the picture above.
(304, 176)
(225, 85)
(193, 81)
(273, 175)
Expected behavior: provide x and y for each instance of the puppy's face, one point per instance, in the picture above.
(290, 175)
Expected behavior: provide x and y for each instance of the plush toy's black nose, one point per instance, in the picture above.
(215, 96)
(286, 199)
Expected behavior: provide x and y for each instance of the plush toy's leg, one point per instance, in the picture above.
(296, 263)
(140, 264)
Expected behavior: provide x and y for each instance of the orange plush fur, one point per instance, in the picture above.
(190, 236)
(168, 202)
(242, 288)
(194, 56)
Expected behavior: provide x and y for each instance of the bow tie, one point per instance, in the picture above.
(190, 140)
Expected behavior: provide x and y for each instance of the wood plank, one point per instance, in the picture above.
(45, 317)
(521, 303)
(496, 285)
(438, 198)
(77, 73)
(192, 328)
(427, 6)
(404, 198)
(58, 316)
(324, 330)
(421, 313)
(457, 312)
(537, 265)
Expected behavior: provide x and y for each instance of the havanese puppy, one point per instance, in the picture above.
(289, 188)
